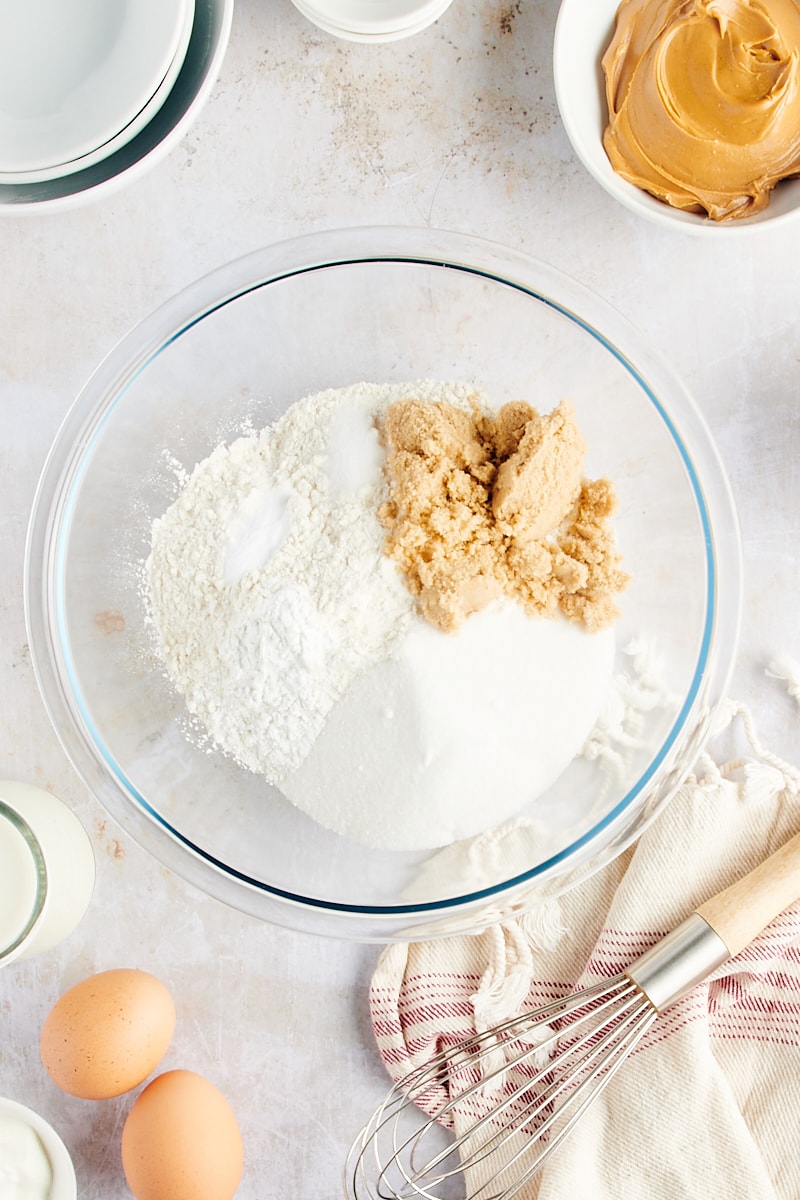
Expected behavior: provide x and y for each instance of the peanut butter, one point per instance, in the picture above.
(704, 101)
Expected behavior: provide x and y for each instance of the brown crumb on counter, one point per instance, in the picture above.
(481, 506)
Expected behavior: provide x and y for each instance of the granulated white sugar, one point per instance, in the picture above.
(455, 733)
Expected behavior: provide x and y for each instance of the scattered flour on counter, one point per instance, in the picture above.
(268, 586)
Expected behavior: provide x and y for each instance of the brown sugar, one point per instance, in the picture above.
(482, 506)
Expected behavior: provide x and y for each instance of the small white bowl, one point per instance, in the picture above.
(583, 31)
(372, 20)
(64, 1185)
(201, 65)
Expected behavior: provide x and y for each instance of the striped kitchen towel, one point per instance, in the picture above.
(709, 1103)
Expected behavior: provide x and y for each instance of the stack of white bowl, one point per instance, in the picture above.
(372, 20)
(79, 79)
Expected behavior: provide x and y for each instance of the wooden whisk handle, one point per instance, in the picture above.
(742, 910)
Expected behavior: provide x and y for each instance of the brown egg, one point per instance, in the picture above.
(181, 1141)
(107, 1033)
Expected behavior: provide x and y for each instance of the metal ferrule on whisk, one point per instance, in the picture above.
(678, 962)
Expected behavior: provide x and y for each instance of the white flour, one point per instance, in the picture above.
(268, 585)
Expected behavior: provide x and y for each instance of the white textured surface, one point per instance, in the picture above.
(456, 127)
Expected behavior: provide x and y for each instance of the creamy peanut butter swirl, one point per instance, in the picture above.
(704, 101)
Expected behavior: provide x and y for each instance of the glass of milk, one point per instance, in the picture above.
(47, 871)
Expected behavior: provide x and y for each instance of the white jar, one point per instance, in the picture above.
(47, 870)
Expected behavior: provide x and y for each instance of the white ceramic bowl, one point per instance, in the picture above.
(372, 20)
(63, 1185)
(583, 31)
(124, 133)
(203, 59)
(73, 75)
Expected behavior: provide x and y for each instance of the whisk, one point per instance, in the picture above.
(507, 1120)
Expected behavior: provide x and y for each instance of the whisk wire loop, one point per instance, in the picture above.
(595, 1030)
(594, 1047)
(589, 1090)
(574, 1076)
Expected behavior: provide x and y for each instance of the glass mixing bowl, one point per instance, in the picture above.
(231, 353)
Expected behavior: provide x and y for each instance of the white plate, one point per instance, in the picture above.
(72, 75)
(138, 123)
